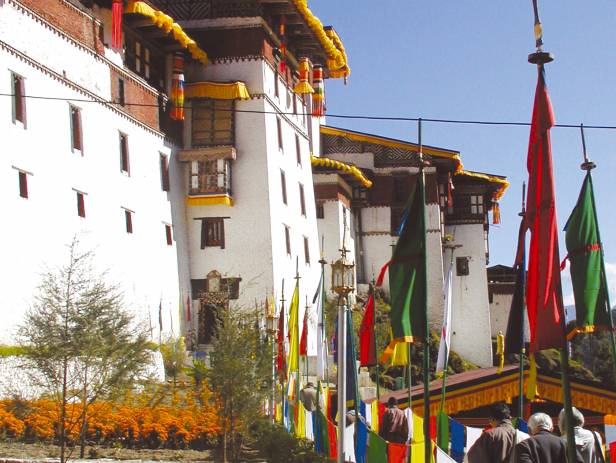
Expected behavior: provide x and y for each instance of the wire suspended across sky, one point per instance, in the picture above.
(337, 116)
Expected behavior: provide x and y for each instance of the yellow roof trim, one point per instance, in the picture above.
(211, 200)
(337, 62)
(217, 90)
(504, 183)
(168, 25)
(338, 165)
(392, 144)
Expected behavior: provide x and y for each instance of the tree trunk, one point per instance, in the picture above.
(224, 443)
(63, 412)
(84, 418)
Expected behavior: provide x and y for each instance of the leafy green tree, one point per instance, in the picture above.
(174, 357)
(79, 341)
(240, 375)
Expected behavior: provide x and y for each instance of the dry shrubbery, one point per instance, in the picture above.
(157, 418)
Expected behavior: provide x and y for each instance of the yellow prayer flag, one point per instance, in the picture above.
(531, 385)
(300, 420)
(418, 431)
(374, 411)
(293, 361)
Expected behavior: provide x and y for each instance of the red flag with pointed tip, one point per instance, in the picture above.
(303, 343)
(543, 289)
(367, 346)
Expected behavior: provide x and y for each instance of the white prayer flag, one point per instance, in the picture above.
(443, 348)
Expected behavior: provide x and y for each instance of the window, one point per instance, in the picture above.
(164, 172)
(276, 89)
(76, 133)
(19, 98)
(476, 204)
(298, 150)
(294, 104)
(141, 60)
(23, 184)
(128, 218)
(302, 202)
(212, 122)
(283, 184)
(212, 232)
(279, 127)
(168, 236)
(81, 208)
(124, 161)
(462, 266)
(320, 211)
(287, 239)
(121, 92)
(306, 250)
(208, 177)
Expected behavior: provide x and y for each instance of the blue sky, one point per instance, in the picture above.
(468, 60)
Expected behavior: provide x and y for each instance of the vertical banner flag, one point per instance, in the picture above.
(293, 363)
(117, 9)
(280, 359)
(543, 290)
(303, 343)
(586, 266)
(367, 344)
(443, 348)
(515, 324)
(177, 88)
(352, 391)
(407, 275)
(319, 298)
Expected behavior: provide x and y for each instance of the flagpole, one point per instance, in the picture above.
(522, 214)
(540, 58)
(306, 357)
(378, 389)
(426, 353)
(322, 261)
(282, 378)
(298, 371)
(588, 166)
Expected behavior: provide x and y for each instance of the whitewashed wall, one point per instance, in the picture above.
(40, 226)
(499, 312)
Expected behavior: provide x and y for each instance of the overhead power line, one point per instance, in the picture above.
(329, 115)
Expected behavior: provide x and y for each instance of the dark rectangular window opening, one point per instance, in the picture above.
(306, 250)
(121, 92)
(212, 122)
(164, 172)
(168, 235)
(298, 150)
(462, 266)
(320, 210)
(76, 131)
(302, 202)
(128, 217)
(81, 207)
(276, 89)
(23, 184)
(19, 99)
(294, 104)
(212, 232)
(279, 127)
(287, 238)
(283, 184)
(124, 159)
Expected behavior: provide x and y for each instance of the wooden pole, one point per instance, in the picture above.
(522, 348)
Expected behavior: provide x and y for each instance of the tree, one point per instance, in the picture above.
(80, 342)
(240, 375)
(173, 351)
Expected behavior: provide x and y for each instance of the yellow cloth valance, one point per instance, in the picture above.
(168, 25)
(337, 62)
(217, 90)
(211, 200)
(504, 184)
(326, 162)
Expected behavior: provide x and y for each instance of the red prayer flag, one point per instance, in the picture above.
(613, 451)
(433, 427)
(367, 345)
(543, 289)
(303, 343)
(396, 453)
(188, 308)
(333, 440)
(280, 359)
(381, 411)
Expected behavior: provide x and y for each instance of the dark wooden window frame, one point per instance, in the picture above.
(76, 129)
(207, 116)
(302, 200)
(164, 172)
(320, 210)
(298, 150)
(287, 238)
(128, 219)
(23, 184)
(306, 250)
(124, 154)
(168, 235)
(19, 98)
(279, 128)
(283, 186)
(81, 205)
(212, 232)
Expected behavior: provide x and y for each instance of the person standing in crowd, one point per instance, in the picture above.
(587, 443)
(308, 396)
(496, 444)
(394, 427)
(542, 446)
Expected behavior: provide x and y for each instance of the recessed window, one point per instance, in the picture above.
(302, 201)
(298, 149)
(168, 235)
(124, 159)
(476, 204)
(76, 132)
(128, 218)
(81, 207)
(276, 89)
(320, 210)
(212, 232)
(19, 98)
(212, 122)
(287, 239)
(164, 172)
(462, 266)
(23, 184)
(279, 127)
(306, 250)
(283, 185)
(294, 104)
(121, 92)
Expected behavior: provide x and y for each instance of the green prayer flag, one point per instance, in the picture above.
(442, 431)
(324, 434)
(377, 449)
(586, 264)
(407, 274)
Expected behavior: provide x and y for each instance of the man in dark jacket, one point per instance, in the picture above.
(496, 444)
(543, 446)
(394, 427)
